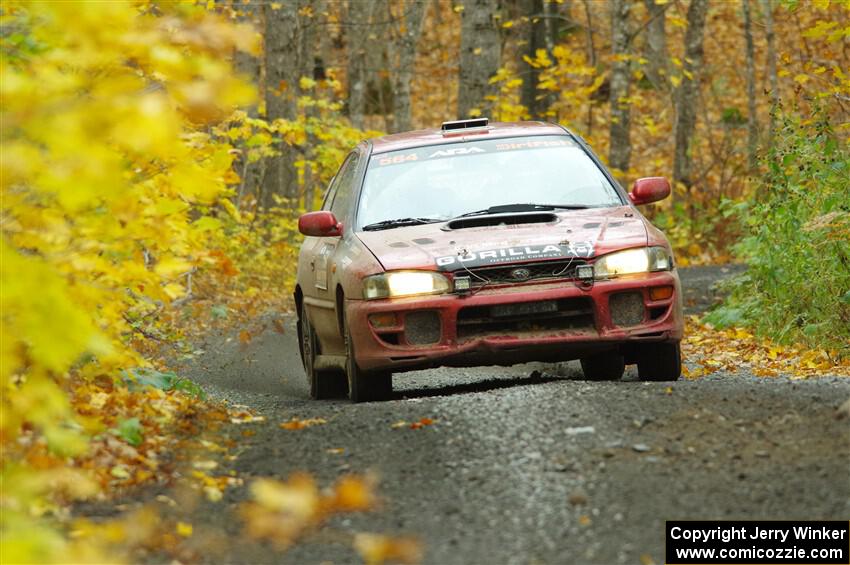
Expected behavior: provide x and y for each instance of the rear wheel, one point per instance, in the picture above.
(323, 383)
(607, 366)
(364, 386)
(660, 362)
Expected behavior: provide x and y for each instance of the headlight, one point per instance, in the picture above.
(631, 261)
(404, 283)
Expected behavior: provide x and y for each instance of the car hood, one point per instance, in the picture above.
(571, 234)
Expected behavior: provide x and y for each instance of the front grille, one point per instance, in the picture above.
(503, 274)
(571, 314)
(422, 328)
(627, 308)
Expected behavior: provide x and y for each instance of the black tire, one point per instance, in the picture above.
(364, 386)
(323, 384)
(660, 362)
(607, 366)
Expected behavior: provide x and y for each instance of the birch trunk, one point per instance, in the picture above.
(591, 56)
(752, 122)
(620, 150)
(655, 47)
(480, 54)
(412, 20)
(687, 94)
(358, 20)
(281, 46)
(767, 6)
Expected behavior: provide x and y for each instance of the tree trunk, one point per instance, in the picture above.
(655, 46)
(281, 45)
(358, 19)
(246, 64)
(591, 56)
(309, 27)
(414, 16)
(480, 54)
(687, 94)
(536, 39)
(752, 122)
(311, 65)
(379, 88)
(620, 150)
(250, 67)
(557, 16)
(767, 6)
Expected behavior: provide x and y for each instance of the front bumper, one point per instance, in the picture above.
(464, 330)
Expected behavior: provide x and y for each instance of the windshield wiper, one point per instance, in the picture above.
(509, 208)
(388, 224)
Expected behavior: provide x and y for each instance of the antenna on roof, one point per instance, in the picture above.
(471, 123)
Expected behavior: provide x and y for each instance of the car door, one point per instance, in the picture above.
(322, 295)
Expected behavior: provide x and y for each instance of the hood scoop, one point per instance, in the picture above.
(502, 220)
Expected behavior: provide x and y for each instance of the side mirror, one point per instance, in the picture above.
(319, 224)
(649, 189)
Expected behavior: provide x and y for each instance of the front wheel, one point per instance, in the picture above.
(607, 366)
(364, 386)
(660, 362)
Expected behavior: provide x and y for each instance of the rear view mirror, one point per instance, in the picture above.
(319, 224)
(649, 189)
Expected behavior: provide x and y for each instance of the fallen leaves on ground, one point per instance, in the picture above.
(414, 425)
(245, 417)
(296, 424)
(376, 549)
(283, 511)
(713, 350)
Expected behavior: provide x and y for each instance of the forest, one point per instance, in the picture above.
(156, 156)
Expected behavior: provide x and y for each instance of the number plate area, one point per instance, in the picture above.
(523, 309)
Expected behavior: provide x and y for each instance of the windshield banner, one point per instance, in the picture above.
(506, 255)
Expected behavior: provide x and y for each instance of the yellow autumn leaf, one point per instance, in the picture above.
(306, 83)
(170, 267)
(299, 496)
(174, 290)
(377, 549)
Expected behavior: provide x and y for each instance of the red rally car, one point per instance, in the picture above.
(482, 244)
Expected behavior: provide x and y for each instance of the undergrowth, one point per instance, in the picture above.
(797, 286)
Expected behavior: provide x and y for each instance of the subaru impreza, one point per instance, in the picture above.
(482, 244)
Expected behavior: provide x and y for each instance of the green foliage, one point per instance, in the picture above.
(145, 377)
(796, 288)
(130, 430)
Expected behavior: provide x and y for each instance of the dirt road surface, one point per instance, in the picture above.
(531, 464)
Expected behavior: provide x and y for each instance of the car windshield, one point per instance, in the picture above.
(444, 181)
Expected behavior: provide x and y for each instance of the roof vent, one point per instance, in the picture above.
(472, 123)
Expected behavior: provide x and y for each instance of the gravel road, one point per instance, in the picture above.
(530, 464)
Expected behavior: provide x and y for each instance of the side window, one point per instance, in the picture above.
(344, 187)
(329, 194)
